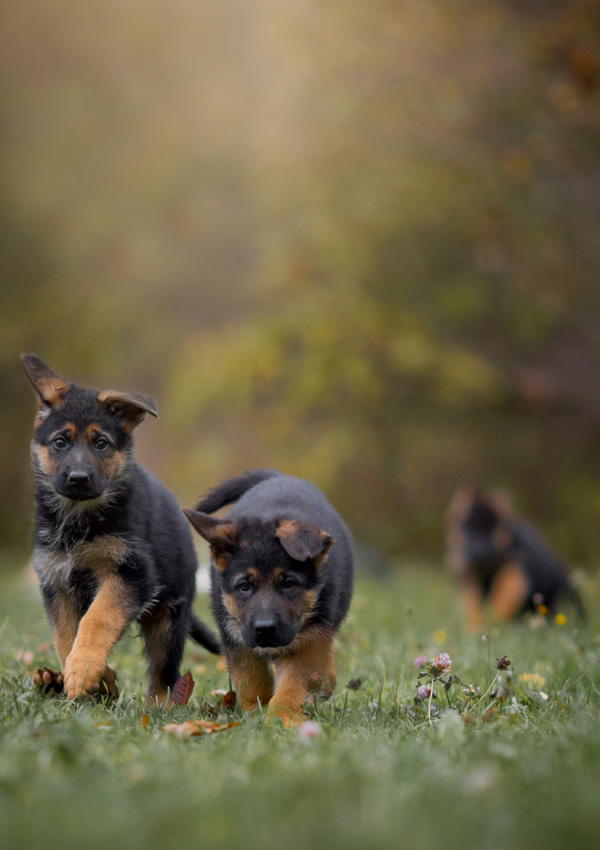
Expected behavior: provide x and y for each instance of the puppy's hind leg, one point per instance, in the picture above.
(164, 630)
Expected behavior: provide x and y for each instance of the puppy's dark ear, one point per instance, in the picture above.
(220, 534)
(303, 542)
(49, 386)
(129, 408)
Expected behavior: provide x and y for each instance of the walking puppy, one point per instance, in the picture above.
(281, 584)
(111, 545)
(501, 559)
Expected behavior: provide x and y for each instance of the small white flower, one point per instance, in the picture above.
(309, 729)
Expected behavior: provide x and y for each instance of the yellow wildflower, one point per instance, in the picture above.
(532, 680)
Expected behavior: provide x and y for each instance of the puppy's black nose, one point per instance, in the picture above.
(78, 478)
(265, 628)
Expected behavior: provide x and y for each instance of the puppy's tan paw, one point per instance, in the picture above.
(289, 717)
(82, 679)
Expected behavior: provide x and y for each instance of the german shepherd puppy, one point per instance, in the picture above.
(111, 543)
(501, 559)
(281, 584)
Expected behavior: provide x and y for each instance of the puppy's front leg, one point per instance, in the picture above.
(509, 591)
(472, 603)
(99, 629)
(292, 675)
(250, 676)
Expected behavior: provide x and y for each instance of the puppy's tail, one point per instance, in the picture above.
(231, 490)
(200, 632)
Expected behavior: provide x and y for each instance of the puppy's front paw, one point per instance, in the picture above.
(291, 718)
(48, 681)
(82, 678)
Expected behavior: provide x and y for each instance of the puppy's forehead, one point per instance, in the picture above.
(80, 409)
(265, 552)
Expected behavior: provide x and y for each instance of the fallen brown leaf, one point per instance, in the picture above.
(189, 728)
(144, 720)
(182, 689)
(230, 699)
(227, 699)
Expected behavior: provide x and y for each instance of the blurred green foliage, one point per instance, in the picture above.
(359, 242)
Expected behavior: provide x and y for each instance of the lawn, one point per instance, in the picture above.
(521, 771)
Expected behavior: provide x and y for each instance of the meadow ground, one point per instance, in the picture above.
(520, 772)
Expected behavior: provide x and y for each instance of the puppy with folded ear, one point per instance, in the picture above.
(111, 545)
(281, 585)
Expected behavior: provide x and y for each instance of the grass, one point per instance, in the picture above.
(524, 774)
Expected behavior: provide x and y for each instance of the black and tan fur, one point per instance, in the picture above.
(501, 560)
(281, 585)
(111, 544)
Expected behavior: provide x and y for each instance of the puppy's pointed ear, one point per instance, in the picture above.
(460, 503)
(49, 385)
(303, 542)
(220, 534)
(129, 408)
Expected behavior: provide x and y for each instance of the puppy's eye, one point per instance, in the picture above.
(244, 585)
(59, 442)
(101, 443)
(288, 582)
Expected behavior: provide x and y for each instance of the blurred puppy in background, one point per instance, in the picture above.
(501, 559)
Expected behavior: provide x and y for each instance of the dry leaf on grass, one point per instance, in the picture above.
(227, 699)
(182, 689)
(189, 728)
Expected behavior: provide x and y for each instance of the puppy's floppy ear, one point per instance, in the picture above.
(49, 386)
(220, 534)
(303, 542)
(129, 408)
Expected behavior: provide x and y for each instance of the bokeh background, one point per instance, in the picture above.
(356, 241)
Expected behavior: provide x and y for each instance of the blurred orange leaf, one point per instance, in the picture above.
(144, 721)
(189, 728)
